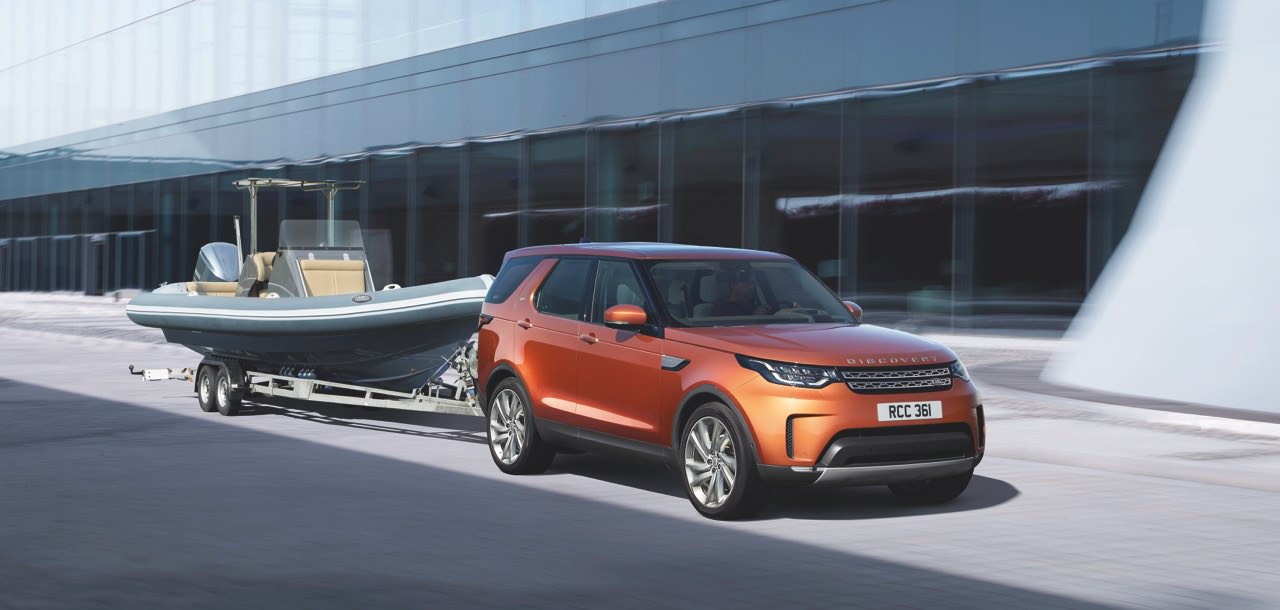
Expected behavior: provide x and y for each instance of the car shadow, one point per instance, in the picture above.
(877, 502)
(848, 503)
(839, 503)
(645, 476)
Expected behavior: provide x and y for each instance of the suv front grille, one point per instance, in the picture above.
(930, 378)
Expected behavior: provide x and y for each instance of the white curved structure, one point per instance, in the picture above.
(1188, 309)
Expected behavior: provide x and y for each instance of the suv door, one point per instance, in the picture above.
(548, 334)
(618, 368)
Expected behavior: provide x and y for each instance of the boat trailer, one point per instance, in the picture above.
(222, 384)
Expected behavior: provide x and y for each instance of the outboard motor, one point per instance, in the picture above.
(217, 262)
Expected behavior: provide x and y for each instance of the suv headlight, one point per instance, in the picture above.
(785, 373)
(957, 369)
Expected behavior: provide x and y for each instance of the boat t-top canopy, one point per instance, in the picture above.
(330, 189)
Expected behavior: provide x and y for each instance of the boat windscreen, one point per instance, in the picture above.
(314, 234)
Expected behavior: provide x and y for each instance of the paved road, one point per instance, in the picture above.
(119, 493)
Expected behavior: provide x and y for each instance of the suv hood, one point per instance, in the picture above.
(820, 344)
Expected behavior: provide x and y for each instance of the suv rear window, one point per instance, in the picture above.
(509, 278)
(564, 289)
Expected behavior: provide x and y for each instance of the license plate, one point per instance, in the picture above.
(898, 411)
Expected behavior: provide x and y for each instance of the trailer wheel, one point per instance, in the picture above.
(206, 382)
(228, 401)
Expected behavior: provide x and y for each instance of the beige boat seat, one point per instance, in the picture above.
(212, 289)
(330, 277)
(262, 264)
(256, 274)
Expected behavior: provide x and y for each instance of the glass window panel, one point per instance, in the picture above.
(441, 27)
(556, 187)
(1145, 99)
(120, 208)
(901, 251)
(389, 25)
(565, 289)
(306, 205)
(626, 173)
(1032, 170)
(439, 203)
(176, 253)
(494, 185)
(6, 218)
(197, 210)
(230, 202)
(707, 193)
(799, 186)
(386, 232)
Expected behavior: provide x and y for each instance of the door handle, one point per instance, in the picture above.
(588, 339)
(524, 324)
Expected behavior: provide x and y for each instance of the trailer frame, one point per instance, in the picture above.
(299, 383)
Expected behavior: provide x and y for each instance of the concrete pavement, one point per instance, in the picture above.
(120, 493)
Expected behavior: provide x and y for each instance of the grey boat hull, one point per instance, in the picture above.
(393, 339)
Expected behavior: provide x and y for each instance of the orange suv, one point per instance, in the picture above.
(737, 368)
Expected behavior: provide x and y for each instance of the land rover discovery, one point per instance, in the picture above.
(738, 369)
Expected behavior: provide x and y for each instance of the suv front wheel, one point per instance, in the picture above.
(513, 438)
(719, 470)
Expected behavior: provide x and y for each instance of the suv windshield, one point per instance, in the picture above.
(744, 292)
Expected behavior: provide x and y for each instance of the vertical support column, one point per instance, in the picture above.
(524, 224)
(850, 146)
(964, 221)
(1102, 228)
(593, 224)
(666, 181)
(413, 200)
(363, 194)
(253, 218)
(465, 248)
(751, 230)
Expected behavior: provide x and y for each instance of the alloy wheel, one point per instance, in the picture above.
(710, 462)
(508, 426)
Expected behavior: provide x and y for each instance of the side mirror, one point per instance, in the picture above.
(854, 309)
(625, 315)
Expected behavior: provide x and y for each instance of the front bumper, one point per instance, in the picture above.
(881, 474)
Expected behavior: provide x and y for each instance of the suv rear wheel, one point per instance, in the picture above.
(719, 470)
(513, 438)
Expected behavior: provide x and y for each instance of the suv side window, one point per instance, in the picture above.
(616, 284)
(564, 289)
(509, 278)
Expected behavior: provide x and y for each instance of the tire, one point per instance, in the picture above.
(228, 401)
(513, 438)
(718, 468)
(206, 385)
(934, 491)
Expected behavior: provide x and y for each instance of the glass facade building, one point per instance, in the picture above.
(991, 196)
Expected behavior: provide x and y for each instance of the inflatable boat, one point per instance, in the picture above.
(310, 308)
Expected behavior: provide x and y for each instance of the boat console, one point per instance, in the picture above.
(316, 258)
